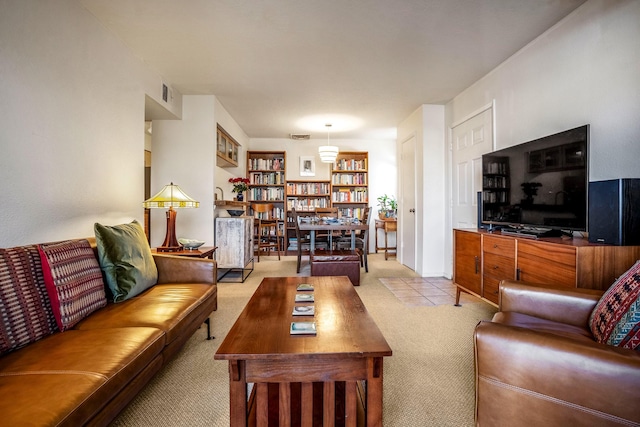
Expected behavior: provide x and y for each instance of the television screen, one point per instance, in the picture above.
(538, 184)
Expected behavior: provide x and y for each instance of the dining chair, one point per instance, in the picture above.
(267, 227)
(327, 237)
(362, 240)
(302, 240)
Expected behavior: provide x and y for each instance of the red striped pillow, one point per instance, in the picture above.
(73, 280)
(25, 310)
(615, 320)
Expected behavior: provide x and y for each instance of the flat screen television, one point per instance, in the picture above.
(540, 186)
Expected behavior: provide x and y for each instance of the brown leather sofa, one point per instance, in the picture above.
(537, 364)
(87, 375)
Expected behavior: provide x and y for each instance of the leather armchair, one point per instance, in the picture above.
(537, 363)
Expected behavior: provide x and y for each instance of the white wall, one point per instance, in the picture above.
(222, 175)
(183, 152)
(71, 123)
(586, 69)
(426, 124)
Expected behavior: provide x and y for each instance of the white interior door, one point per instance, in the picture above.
(470, 140)
(407, 204)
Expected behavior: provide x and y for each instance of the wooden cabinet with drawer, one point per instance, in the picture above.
(551, 261)
(468, 256)
(542, 262)
(499, 263)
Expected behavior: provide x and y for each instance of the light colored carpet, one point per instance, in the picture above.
(427, 382)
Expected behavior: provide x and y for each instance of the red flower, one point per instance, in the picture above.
(240, 185)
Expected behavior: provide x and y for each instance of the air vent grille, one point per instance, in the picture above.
(299, 136)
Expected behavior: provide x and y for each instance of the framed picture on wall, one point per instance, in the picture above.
(307, 166)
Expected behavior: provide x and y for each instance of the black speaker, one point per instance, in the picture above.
(480, 224)
(614, 212)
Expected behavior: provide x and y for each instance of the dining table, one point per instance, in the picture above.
(330, 225)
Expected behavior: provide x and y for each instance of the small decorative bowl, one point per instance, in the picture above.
(235, 212)
(190, 243)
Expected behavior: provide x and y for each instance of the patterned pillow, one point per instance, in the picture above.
(25, 310)
(73, 279)
(615, 320)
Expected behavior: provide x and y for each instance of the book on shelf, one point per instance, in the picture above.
(304, 310)
(305, 287)
(303, 328)
(304, 298)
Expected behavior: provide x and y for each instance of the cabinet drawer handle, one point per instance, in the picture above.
(495, 246)
(477, 263)
(495, 267)
(517, 274)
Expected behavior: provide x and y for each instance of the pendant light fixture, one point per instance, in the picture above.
(328, 153)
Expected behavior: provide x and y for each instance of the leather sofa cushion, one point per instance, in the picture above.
(165, 307)
(542, 325)
(73, 374)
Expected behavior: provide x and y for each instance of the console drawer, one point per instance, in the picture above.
(504, 246)
(499, 267)
(490, 289)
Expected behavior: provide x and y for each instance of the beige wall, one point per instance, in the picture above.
(71, 123)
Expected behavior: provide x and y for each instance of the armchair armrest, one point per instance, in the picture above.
(177, 269)
(562, 381)
(560, 304)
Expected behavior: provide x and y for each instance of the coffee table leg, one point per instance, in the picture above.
(237, 393)
(374, 392)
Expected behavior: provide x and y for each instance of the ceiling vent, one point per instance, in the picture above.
(299, 136)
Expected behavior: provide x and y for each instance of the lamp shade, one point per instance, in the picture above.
(328, 153)
(171, 196)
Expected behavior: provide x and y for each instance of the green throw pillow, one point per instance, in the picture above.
(125, 259)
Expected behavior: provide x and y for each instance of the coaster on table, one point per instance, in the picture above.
(304, 298)
(304, 310)
(305, 287)
(303, 328)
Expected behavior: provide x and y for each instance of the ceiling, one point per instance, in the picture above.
(361, 65)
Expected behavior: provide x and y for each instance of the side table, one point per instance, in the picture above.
(201, 252)
(387, 225)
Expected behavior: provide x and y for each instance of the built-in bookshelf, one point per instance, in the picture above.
(266, 173)
(305, 196)
(350, 183)
(308, 195)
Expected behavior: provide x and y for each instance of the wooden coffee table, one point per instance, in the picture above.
(305, 379)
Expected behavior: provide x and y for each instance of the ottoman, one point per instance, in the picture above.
(336, 263)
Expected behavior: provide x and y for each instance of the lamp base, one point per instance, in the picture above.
(170, 243)
(169, 248)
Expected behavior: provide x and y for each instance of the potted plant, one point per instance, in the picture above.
(240, 185)
(388, 206)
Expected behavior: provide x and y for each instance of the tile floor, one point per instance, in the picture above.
(425, 291)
